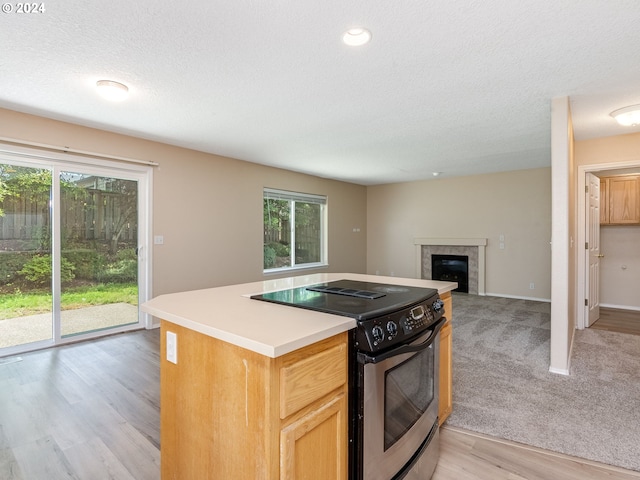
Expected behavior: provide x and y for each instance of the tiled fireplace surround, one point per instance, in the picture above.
(474, 248)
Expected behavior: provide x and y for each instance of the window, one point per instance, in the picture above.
(294, 230)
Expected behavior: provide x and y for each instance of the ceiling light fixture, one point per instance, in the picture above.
(113, 91)
(436, 174)
(355, 37)
(627, 116)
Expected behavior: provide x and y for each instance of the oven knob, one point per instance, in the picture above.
(392, 328)
(378, 334)
(438, 305)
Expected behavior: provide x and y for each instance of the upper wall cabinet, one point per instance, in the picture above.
(620, 200)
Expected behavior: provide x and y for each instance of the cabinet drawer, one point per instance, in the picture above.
(309, 379)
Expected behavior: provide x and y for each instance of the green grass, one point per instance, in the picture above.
(20, 304)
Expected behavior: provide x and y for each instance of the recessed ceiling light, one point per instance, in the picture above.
(113, 91)
(627, 116)
(355, 37)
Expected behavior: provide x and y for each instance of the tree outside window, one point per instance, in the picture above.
(294, 230)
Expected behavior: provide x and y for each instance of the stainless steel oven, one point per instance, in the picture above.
(397, 400)
(393, 372)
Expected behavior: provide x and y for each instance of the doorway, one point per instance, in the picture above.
(73, 232)
(582, 308)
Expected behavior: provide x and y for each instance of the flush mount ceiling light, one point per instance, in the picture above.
(627, 116)
(355, 37)
(113, 91)
(436, 174)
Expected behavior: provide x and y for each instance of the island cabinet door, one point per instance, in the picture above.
(314, 447)
(445, 406)
(314, 413)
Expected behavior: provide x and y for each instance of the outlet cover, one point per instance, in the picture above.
(172, 347)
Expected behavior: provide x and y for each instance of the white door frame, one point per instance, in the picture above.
(582, 319)
(143, 174)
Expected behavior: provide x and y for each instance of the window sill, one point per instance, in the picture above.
(298, 268)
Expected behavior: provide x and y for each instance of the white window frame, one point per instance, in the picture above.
(293, 197)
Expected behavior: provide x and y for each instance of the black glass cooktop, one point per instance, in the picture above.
(350, 298)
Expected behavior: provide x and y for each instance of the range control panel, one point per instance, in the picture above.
(399, 327)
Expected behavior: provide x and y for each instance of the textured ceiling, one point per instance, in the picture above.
(459, 87)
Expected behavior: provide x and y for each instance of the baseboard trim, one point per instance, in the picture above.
(517, 297)
(559, 371)
(620, 307)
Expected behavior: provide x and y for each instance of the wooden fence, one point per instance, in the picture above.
(308, 242)
(97, 217)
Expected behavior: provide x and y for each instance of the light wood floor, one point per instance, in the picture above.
(470, 456)
(617, 320)
(90, 411)
(87, 411)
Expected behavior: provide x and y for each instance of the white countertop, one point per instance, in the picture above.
(227, 313)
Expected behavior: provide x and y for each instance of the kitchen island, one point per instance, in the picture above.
(251, 389)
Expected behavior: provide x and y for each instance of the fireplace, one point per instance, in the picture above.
(473, 248)
(451, 268)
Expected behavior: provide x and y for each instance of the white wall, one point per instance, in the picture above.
(515, 204)
(620, 266)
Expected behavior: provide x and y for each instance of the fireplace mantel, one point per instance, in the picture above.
(455, 246)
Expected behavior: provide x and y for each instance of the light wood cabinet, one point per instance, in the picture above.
(227, 412)
(315, 446)
(620, 200)
(445, 399)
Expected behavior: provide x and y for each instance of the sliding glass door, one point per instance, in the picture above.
(72, 261)
(26, 314)
(99, 261)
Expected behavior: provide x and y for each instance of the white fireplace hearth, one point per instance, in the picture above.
(473, 248)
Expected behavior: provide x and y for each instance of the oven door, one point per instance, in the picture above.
(400, 404)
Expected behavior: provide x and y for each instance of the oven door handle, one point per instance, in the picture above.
(366, 358)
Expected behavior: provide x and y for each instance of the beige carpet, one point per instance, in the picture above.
(502, 385)
(33, 328)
